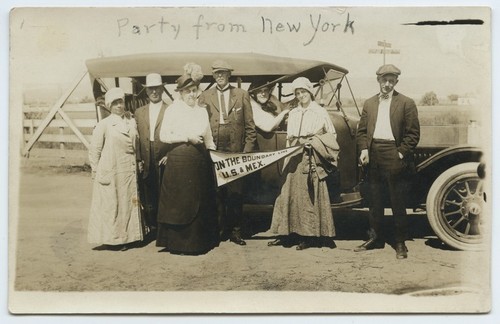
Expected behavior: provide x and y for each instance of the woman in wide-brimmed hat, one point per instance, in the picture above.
(302, 209)
(268, 111)
(186, 213)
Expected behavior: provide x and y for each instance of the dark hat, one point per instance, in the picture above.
(221, 65)
(388, 69)
(259, 84)
(185, 81)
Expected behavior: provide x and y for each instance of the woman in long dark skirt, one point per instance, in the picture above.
(187, 222)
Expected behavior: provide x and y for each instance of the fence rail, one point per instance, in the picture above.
(33, 123)
(69, 107)
(58, 130)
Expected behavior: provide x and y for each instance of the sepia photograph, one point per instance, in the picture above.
(250, 160)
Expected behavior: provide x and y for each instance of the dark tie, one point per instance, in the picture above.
(223, 106)
(383, 96)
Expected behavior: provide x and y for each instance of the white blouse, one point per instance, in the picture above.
(180, 122)
(263, 119)
(314, 119)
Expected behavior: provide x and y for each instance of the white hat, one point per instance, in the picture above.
(112, 95)
(302, 83)
(153, 80)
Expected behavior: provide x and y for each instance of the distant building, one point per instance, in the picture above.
(466, 101)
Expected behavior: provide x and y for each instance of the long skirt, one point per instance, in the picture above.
(187, 221)
(114, 215)
(303, 206)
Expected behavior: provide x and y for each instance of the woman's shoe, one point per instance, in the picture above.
(276, 242)
(328, 243)
(303, 245)
(125, 247)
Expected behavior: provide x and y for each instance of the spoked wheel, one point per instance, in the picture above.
(455, 206)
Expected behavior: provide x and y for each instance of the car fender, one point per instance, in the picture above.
(429, 169)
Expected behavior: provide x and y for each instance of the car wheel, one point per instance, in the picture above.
(455, 205)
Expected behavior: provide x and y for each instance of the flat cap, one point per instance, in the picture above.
(221, 65)
(388, 69)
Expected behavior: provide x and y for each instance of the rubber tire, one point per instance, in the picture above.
(434, 197)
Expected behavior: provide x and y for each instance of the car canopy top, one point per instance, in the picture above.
(246, 66)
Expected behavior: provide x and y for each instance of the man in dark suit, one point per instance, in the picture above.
(151, 152)
(388, 132)
(233, 129)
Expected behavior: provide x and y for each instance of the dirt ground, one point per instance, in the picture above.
(53, 255)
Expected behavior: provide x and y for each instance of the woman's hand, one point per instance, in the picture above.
(292, 104)
(163, 161)
(195, 139)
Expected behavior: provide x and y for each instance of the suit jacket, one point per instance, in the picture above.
(404, 124)
(160, 148)
(240, 118)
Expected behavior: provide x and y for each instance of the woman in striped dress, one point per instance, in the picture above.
(302, 210)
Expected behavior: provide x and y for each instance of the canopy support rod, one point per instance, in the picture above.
(352, 95)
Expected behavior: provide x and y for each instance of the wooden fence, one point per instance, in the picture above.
(83, 116)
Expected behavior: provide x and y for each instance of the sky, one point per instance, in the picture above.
(445, 60)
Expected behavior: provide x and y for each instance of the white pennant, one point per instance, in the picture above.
(231, 166)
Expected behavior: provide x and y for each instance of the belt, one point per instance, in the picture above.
(383, 141)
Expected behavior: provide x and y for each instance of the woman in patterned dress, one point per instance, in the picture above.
(302, 210)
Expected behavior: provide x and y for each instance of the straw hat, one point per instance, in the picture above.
(153, 80)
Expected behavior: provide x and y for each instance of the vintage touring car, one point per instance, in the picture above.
(446, 182)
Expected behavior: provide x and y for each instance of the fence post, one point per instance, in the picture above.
(472, 134)
(31, 128)
(61, 144)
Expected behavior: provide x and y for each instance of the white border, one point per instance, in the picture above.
(5, 317)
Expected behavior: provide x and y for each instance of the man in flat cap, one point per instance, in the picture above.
(233, 130)
(388, 132)
(151, 151)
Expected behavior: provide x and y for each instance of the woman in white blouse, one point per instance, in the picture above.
(302, 212)
(187, 221)
(268, 112)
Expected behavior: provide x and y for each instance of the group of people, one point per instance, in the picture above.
(153, 174)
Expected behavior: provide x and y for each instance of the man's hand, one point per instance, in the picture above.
(363, 157)
(140, 166)
(400, 155)
(163, 161)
